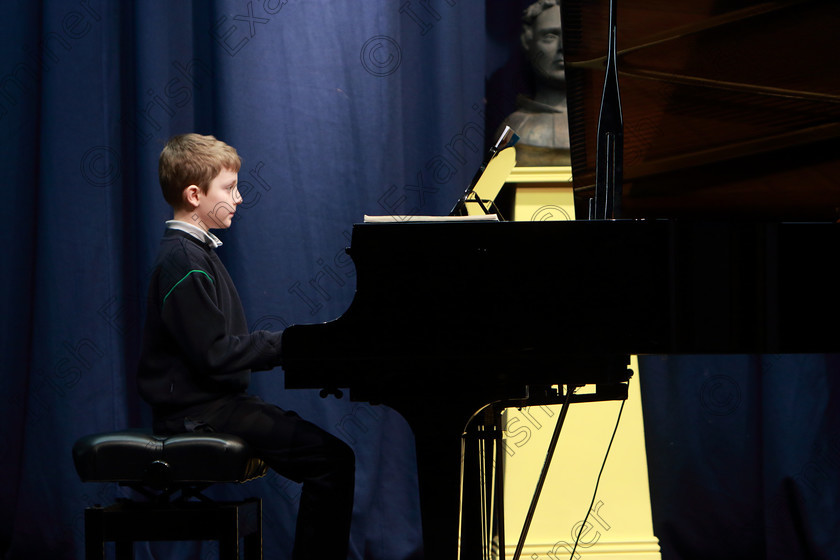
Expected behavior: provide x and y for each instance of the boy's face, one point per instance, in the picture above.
(217, 207)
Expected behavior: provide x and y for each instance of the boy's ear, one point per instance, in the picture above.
(190, 195)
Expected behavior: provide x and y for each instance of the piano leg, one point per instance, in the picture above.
(438, 457)
(438, 424)
(482, 486)
(438, 435)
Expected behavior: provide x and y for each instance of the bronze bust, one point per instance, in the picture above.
(542, 121)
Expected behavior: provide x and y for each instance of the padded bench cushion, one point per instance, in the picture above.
(138, 457)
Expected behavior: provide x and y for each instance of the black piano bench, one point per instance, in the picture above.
(170, 472)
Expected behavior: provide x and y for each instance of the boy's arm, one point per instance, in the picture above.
(193, 316)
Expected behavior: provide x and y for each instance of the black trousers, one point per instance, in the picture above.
(296, 449)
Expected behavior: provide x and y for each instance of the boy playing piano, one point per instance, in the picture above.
(197, 353)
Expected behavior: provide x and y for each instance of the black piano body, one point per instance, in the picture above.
(731, 159)
(451, 316)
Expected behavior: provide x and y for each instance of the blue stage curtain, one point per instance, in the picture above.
(338, 109)
(744, 455)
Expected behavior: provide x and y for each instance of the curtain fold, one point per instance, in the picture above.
(744, 455)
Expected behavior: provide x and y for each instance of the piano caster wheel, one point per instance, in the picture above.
(338, 393)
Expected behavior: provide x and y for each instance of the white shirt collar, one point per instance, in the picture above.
(195, 231)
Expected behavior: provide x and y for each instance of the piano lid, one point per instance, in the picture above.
(731, 109)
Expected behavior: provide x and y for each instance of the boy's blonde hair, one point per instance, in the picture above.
(193, 159)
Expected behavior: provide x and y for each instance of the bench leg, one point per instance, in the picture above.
(125, 550)
(228, 549)
(253, 542)
(229, 537)
(94, 533)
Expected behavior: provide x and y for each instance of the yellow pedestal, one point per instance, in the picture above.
(542, 193)
(620, 524)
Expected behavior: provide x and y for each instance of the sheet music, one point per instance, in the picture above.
(403, 219)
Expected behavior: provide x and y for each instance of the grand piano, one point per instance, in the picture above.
(726, 241)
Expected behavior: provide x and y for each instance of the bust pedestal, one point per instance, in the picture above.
(620, 524)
